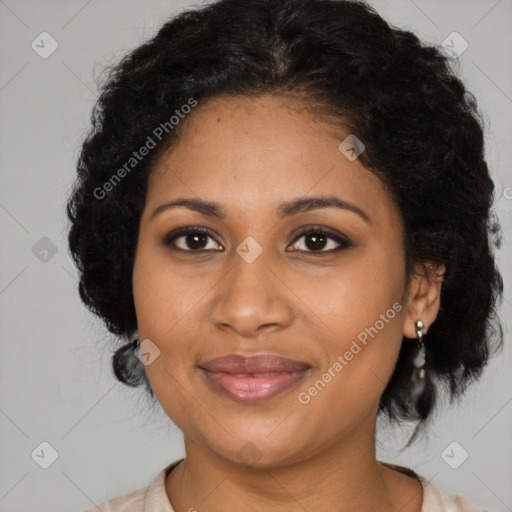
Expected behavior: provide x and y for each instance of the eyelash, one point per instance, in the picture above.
(343, 242)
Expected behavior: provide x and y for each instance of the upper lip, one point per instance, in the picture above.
(259, 363)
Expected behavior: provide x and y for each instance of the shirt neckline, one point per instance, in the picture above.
(157, 499)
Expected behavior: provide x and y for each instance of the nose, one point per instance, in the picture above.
(252, 298)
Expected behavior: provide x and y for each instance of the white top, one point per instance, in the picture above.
(153, 498)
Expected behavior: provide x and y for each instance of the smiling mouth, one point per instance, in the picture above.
(252, 379)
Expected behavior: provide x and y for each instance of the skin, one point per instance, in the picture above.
(250, 155)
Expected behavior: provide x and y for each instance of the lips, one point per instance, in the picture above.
(253, 378)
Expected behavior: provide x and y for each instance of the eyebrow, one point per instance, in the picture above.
(286, 209)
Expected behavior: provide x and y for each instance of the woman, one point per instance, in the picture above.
(284, 207)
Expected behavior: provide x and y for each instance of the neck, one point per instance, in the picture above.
(344, 477)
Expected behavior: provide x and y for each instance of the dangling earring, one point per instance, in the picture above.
(419, 359)
(126, 365)
(418, 376)
(422, 392)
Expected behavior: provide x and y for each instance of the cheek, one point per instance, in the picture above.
(352, 298)
(162, 301)
(348, 387)
(168, 304)
(360, 317)
(162, 296)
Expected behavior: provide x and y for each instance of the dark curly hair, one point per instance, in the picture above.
(421, 128)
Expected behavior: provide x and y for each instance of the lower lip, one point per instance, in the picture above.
(253, 388)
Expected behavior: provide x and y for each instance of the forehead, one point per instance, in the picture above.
(260, 152)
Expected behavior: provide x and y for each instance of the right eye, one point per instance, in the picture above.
(194, 239)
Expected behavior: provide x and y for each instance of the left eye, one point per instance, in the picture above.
(317, 240)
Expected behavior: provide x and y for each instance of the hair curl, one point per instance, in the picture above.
(421, 128)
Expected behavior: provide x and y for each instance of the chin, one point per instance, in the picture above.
(261, 452)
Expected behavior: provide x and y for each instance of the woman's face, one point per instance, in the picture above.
(256, 285)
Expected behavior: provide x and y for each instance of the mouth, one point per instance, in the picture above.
(252, 379)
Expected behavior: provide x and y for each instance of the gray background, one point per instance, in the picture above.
(55, 382)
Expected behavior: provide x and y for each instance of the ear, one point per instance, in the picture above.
(424, 296)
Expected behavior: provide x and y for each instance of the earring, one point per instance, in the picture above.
(127, 367)
(422, 392)
(419, 359)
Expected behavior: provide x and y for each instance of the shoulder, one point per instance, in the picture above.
(434, 499)
(437, 500)
(132, 502)
(152, 498)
